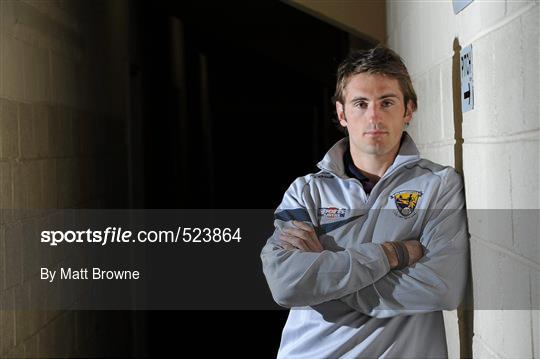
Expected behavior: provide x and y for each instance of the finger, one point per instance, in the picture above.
(295, 241)
(288, 246)
(318, 246)
(304, 226)
(309, 239)
(297, 232)
(314, 239)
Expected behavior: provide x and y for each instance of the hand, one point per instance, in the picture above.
(301, 237)
(414, 249)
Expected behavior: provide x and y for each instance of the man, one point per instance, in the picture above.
(370, 250)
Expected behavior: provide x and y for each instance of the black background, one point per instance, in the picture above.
(270, 77)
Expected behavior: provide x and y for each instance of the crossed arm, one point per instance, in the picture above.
(301, 273)
(303, 237)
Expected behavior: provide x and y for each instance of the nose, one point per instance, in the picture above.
(373, 113)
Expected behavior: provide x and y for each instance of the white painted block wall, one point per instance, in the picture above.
(500, 151)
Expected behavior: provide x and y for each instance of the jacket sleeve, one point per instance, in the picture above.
(437, 281)
(297, 278)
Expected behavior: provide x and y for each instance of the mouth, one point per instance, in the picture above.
(375, 133)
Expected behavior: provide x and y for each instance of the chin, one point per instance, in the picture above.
(374, 150)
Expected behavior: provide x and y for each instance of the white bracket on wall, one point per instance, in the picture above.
(467, 88)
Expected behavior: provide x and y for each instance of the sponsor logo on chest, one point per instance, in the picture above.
(332, 212)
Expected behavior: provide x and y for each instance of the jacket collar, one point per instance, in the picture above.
(333, 160)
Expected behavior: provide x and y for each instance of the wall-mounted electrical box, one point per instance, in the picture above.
(460, 5)
(467, 88)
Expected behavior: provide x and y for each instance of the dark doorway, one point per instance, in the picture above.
(236, 106)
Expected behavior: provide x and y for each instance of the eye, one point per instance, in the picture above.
(387, 103)
(362, 105)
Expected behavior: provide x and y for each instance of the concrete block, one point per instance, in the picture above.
(7, 16)
(49, 184)
(26, 187)
(66, 81)
(24, 327)
(49, 340)
(486, 274)
(39, 300)
(7, 314)
(2, 269)
(406, 52)
(396, 12)
(447, 101)
(9, 136)
(66, 176)
(442, 154)
(60, 131)
(515, 284)
(508, 67)
(391, 19)
(513, 6)
(488, 333)
(32, 172)
(535, 297)
(497, 108)
(12, 67)
(516, 334)
(487, 174)
(41, 129)
(530, 30)
(451, 327)
(41, 28)
(525, 173)
(27, 132)
(438, 32)
(479, 16)
(6, 204)
(13, 264)
(67, 119)
(31, 255)
(414, 27)
(30, 347)
(526, 233)
(53, 130)
(421, 115)
(431, 126)
(19, 195)
(15, 352)
(36, 73)
(492, 225)
(536, 331)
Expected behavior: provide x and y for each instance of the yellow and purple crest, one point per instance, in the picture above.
(406, 201)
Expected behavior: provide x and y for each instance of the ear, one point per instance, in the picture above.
(409, 112)
(340, 110)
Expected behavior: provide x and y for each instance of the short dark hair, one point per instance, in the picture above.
(378, 60)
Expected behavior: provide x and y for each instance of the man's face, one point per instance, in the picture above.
(374, 114)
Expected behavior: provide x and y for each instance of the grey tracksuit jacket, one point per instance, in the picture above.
(345, 301)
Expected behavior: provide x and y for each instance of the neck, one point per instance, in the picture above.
(371, 165)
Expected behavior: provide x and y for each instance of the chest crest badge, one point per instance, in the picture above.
(406, 202)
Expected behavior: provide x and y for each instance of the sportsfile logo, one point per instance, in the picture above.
(332, 212)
